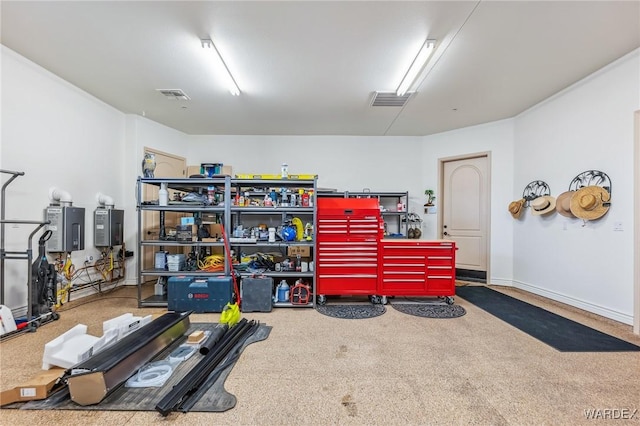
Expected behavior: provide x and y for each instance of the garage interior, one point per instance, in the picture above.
(523, 101)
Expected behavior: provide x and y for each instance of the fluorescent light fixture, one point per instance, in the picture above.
(418, 64)
(230, 81)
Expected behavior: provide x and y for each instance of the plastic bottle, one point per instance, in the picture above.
(284, 171)
(163, 195)
(283, 291)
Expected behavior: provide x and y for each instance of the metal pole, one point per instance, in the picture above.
(29, 254)
(2, 213)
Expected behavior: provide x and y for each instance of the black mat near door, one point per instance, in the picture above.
(561, 333)
(214, 397)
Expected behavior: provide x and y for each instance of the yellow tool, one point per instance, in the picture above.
(297, 223)
(230, 314)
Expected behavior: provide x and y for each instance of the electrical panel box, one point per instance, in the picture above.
(108, 227)
(67, 227)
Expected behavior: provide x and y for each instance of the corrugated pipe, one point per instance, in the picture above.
(58, 196)
(104, 200)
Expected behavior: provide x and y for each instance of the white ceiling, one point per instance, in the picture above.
(311, 68)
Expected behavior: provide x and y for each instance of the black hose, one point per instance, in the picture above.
(216, 335)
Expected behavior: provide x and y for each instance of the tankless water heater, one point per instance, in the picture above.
(108, 229)
(67, 227)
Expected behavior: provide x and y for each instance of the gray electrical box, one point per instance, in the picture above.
(108, 227)
(67, 227)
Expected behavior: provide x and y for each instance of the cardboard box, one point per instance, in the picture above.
(37, 388)
(193, 170)
(303, 251)
(227, 170)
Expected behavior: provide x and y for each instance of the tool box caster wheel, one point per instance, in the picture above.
(322, 299)
(376, 300)
(55, 316)
(449, 300)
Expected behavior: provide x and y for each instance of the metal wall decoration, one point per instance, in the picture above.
(591, 178)
(535, 189)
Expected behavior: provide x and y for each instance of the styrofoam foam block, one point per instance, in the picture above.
(63, 351)
(126, 324)
(108, 338)
(7, 323)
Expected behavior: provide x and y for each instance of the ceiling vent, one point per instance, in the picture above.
(174, 94)
(390, 99)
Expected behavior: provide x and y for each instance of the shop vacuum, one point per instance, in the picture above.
(43, 287)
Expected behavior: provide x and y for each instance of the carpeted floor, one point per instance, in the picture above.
(391, 369)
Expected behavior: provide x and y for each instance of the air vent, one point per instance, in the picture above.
(174, 94)
(390, 99)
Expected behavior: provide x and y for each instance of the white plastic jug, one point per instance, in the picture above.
(283, 291)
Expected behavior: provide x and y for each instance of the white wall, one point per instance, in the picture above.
(588, 126)
(496, 138)
(143, 133)
(58, 136)
(345, 163)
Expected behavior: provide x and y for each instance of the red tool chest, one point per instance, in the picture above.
(348, 232)
(417, 268)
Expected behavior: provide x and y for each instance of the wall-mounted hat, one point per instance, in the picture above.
(563, 204)
(542, 205)
(590, 202)
(516, 208)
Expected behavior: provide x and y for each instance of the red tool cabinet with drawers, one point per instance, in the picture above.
(417, 268)
(347, 237)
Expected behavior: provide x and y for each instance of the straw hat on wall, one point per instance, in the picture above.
(563, 204)
(516, 208)
(590, 202)
(542, 205)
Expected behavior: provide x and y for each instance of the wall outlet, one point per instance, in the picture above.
(617, 226)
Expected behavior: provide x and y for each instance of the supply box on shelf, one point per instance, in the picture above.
(176, 262)
(303, 251)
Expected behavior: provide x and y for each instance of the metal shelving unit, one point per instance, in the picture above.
(198, 185)
(273, 216)
(229, 215)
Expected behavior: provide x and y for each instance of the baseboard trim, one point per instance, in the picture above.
(581, 304)
(501, 281)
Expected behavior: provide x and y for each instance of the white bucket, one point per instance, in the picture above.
(7, 323)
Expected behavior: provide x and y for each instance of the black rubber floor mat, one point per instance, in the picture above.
(429, 310)
(354, 311)
(214, 399)
(556, 331)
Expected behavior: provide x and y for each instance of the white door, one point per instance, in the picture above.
(465, 211)
(167, 166)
